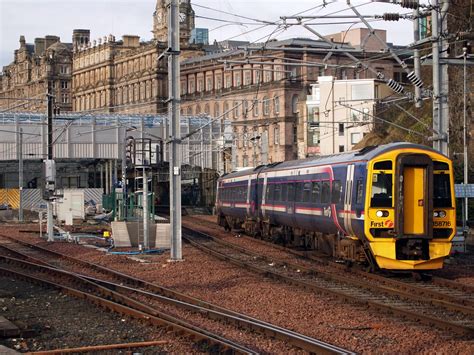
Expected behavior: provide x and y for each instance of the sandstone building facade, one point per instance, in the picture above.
(259, 92)
(24, 82)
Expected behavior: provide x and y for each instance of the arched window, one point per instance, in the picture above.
(294, 104)
(190, 111)
(207, 109)
(217, 110)
(198, 109)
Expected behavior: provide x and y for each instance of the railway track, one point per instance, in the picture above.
(131, 289)
(432, 305)
(77, 286)
(437, 288)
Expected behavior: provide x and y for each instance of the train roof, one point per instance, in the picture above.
(363, 154)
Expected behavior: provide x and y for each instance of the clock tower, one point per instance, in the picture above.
(160, 21)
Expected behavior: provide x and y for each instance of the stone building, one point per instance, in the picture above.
(125, 76)
(27, 77)
(262, 92)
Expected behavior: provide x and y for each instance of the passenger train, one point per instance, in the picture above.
(390, 207)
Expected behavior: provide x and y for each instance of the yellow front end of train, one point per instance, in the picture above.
(410, 216)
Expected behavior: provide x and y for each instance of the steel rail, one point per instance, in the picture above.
(403, 289)
(294, 338)
(121, 304)
(212, 311)
(420, 290)
(461, 329)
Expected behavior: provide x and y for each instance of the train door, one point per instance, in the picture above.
(348, 200)
(291, 204)
(415, 190)
(250, 197)
(414, 184)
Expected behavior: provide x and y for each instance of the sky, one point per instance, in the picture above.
(37, 18)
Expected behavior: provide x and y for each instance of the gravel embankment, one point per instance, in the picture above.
(319, 316)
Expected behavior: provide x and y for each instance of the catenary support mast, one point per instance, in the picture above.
(174, 131)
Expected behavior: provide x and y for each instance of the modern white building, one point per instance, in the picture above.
(340, 113)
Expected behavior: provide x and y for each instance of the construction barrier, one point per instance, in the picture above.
(10, 197)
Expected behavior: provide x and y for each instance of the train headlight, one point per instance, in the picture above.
(442, 214)
(381, 213)
(435, 214)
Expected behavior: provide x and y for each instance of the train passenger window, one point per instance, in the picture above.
(383, 165)
(360, 192)
(291, 192)
(441, 191)
(325, 192)
(316, 193)
(299, 192)
(306, 192)
(284, 192)
(381, 190)
(336, 191)
(277, 192)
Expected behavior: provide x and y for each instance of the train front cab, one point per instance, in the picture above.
(410, 213)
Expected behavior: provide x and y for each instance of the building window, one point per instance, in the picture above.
(245, 108)
(355, 138)
(294, 104)
(218, 82)
(198, 109)
(209, 84)
(268, 75)
(276, 102)
(255, 108)
(216, 110)
(183, 87)
(65, 98)
(266, 106)
(295, 134)
(341, 129)
(365, 114)
(248, 78)
(207, 109)
(236, 109)
(238, 80)
(276, 135)
(257, 76)
(293, 73)
(64, 84)
(64, 69)
(200, 85)
(341, 148)
(245, 161)
(192, 87)
(228, 81)
(226, 110)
